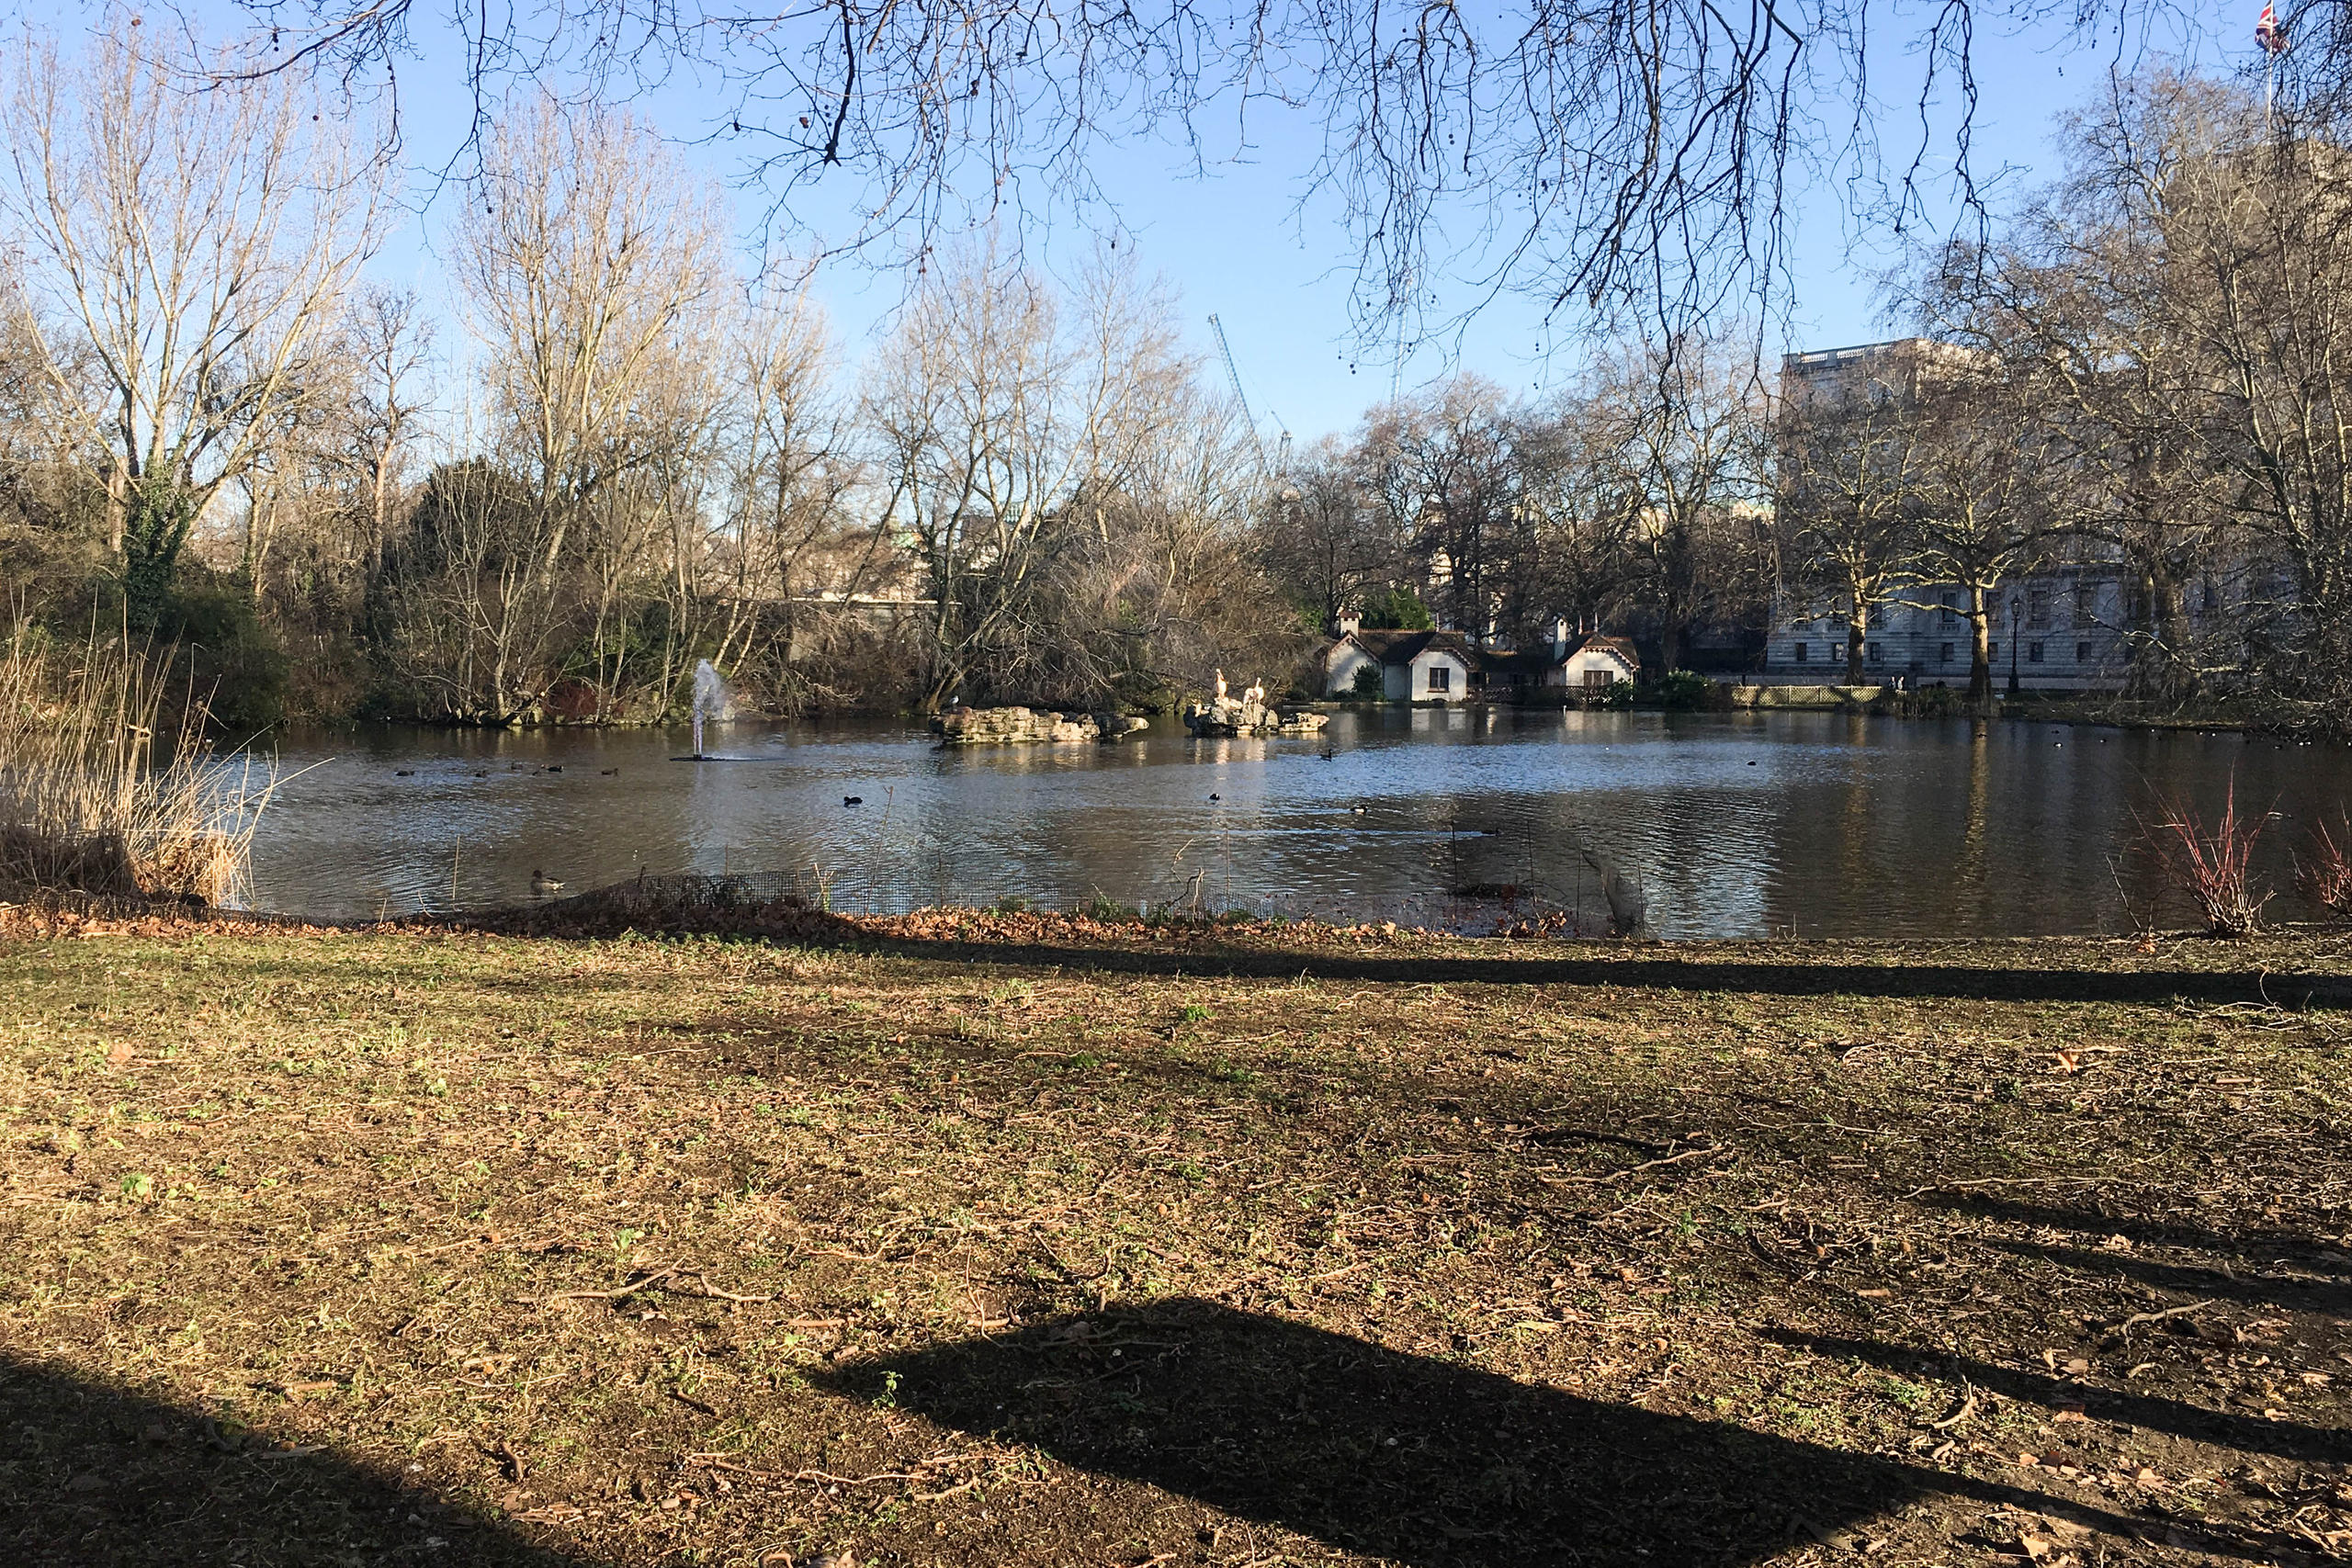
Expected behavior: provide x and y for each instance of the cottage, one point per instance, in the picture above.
(1443, 666)
(1595, 663)
(1429, 666)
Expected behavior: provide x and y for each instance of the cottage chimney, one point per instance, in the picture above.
(1347, 624)
(1559, 639)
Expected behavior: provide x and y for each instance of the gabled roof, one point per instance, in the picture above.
(1404, 646)
(1532, 663)
(1621, 648)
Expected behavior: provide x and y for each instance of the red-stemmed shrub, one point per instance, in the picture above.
(2324, 871)
(2211, 861)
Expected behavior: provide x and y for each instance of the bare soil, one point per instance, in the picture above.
(966, 1240)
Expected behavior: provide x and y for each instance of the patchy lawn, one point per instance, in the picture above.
(1033, 1241)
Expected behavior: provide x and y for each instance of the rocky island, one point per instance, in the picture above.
(983, 727)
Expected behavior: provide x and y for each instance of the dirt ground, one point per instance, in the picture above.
(968, 1240)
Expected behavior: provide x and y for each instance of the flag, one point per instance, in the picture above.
(2268, 33)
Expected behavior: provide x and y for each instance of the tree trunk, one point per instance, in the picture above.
(1858, 627)
(1980, 651)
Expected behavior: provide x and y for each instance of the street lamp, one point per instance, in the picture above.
(2017, 609)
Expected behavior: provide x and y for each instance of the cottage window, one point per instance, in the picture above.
(1440, 678)
(1596, 680)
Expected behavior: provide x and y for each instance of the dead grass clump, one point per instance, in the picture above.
(2211, 861)
(90, 802)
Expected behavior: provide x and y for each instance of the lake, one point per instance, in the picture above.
(1728, 825)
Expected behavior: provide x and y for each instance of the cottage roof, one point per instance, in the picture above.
(1404, 646)
(1621, 647)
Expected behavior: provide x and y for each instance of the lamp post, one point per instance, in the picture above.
(2016, 610)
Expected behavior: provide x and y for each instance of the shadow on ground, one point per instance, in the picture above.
(1422, 1461)
(2247, 1434)
(93, 1476)
(656, 908)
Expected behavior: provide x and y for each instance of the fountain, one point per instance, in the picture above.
(710, 699)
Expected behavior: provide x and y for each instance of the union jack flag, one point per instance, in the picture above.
(2268, 33)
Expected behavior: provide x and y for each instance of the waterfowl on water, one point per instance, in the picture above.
(404, 772)
(610, 771)
(852, 800)
(1217, 798)
(542, 883)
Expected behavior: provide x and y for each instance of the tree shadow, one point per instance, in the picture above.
(1203, 953)
(2242, 1241)
(2284, 1439)
(2287, 1293)
(1403, 1457)
(94, 1474)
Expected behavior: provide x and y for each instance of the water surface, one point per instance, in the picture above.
(1747, 825)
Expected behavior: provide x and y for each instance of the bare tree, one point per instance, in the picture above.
(1321, 536)
(197, 246)
(1585, 153)
(591, 263)
(1442, 467)
(1850, 446)
(1685, 444)
(1981, 503)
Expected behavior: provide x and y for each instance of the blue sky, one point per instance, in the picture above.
(1236, 243)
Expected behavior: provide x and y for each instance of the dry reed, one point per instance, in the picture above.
(90, 802)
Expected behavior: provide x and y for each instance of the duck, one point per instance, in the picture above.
(404, 772)
(1217, 798)
(542, 883)
(610, 772)
(1358, 810)
(852, 800)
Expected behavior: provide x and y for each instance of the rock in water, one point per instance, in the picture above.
(981, 727)
(1247, 714)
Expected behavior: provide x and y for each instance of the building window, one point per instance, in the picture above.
(2085, 604)
(1992, 652)
(1596, 680)
(2037, 607)
(2033, 653)
(1943, 653)
(1878, 652)
(1805, 651)
(1948, 615)
(1440, 678)
(2082, 653)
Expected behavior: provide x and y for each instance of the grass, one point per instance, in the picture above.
(1018, 1239)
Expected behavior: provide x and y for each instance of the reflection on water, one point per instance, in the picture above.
(1819, 824)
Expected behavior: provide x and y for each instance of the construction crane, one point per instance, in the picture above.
(1233, 374)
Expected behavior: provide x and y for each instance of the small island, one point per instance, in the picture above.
(962, 726)
(1249, 714)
